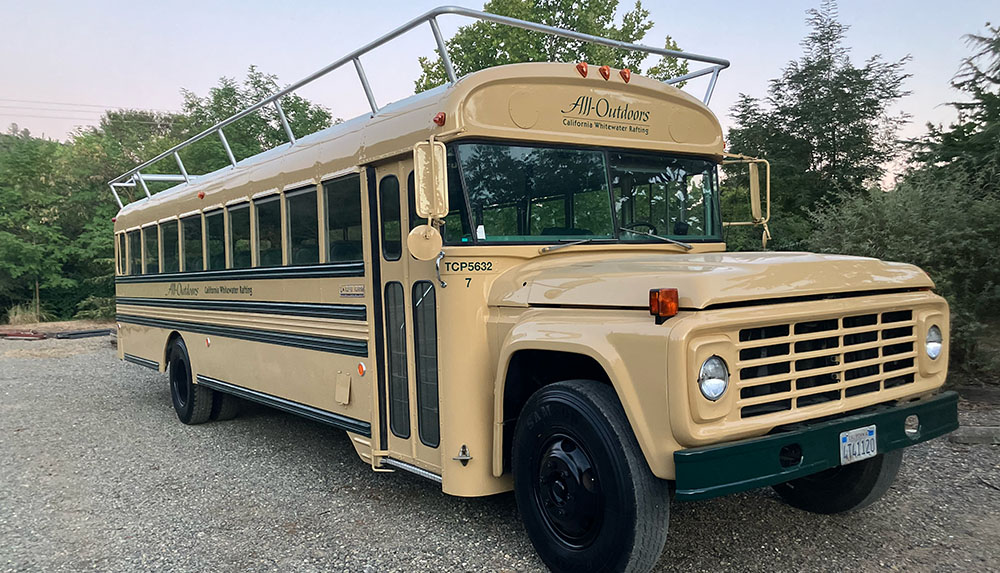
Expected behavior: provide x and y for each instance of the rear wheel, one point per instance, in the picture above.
(193, 403)
(843, 488)
(225, 406)
(583, 488)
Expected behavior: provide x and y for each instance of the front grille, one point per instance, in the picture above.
(804, 364)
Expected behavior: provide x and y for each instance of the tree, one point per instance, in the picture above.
(971, 144)
(485, 44)
(55, 205)
(259, 131)
(825, 124)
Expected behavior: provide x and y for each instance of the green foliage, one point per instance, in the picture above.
(55, 206)
(939, 221)
(484, 44)
(824, 126)
(944, 216)
(972, 143)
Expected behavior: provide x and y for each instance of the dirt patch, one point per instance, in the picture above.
(62, 326)
(50, 352)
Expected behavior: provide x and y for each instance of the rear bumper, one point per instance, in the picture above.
(711, 471)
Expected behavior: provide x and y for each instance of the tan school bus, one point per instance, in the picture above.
(518, 281)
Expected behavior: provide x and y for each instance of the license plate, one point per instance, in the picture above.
(857, 445)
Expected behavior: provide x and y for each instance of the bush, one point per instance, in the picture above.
(941, 221)
(25, 314)
(96, 308)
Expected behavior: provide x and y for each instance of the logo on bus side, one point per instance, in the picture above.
(619, 118)
(181, 289)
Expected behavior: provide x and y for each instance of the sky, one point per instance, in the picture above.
(62, 63)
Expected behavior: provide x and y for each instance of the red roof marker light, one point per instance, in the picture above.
(582, 68)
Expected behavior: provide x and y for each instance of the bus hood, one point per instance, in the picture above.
(624, 279)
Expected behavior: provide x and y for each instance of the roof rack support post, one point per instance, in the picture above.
(180, 165)
(143, 183)
(711, 84)
(117, 198)
(284, 122)
(364, 84)
(443, 50)
(229, 151)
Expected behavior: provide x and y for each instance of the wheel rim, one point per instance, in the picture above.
(179, 382)
(567, 491)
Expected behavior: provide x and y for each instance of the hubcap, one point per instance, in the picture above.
(179, 380)
(567, 491)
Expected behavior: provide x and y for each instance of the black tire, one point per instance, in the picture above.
(193, 403)
(843, 488)
(225, 406)
(585, 493)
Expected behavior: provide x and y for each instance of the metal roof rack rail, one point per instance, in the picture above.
(134, 177)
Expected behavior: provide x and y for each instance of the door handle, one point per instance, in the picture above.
(437, 266)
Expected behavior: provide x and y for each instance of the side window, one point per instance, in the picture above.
(151, 248)
(343, 219)
(134, 253)
(122, 270)
(239, 235)
(392, 243)
(268, 231)
(411, 201)
(215, 229)
(303, 227)
(191, 235)
(426, 362)
(171, 247)
(395, 334)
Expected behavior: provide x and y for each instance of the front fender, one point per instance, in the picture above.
(626, 343)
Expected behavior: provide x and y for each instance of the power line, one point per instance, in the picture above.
(34, 101)
(88, 119)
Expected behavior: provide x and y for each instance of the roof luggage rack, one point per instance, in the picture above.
(134, 177)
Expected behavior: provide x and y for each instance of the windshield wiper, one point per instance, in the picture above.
(551, 248)
(686, 246)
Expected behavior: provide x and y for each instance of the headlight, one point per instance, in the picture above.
(713, 378)
(933, 344)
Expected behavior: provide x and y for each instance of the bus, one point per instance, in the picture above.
(519, 281)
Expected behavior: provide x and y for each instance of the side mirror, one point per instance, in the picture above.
(430, 179)
(754, 192)
(759, 213)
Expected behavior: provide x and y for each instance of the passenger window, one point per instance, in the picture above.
(215, 229)
(268, 231)
(239, 235)
(134, 253)
(392, 244)
(171, 247)
(122, 270)
(343, 219)
(151, 246)
(191, 235)
(303, 227)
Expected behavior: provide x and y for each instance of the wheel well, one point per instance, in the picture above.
(166, 348)
(530, 370)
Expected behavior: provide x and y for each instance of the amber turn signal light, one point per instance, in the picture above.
(663, 303)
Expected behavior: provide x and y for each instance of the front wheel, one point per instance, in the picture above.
(843, 488)
(587, 497)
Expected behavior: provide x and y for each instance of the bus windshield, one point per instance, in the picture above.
(520, 193)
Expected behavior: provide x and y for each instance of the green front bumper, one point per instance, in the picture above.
(712, 471)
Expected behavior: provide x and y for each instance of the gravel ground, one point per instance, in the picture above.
(96, 473)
